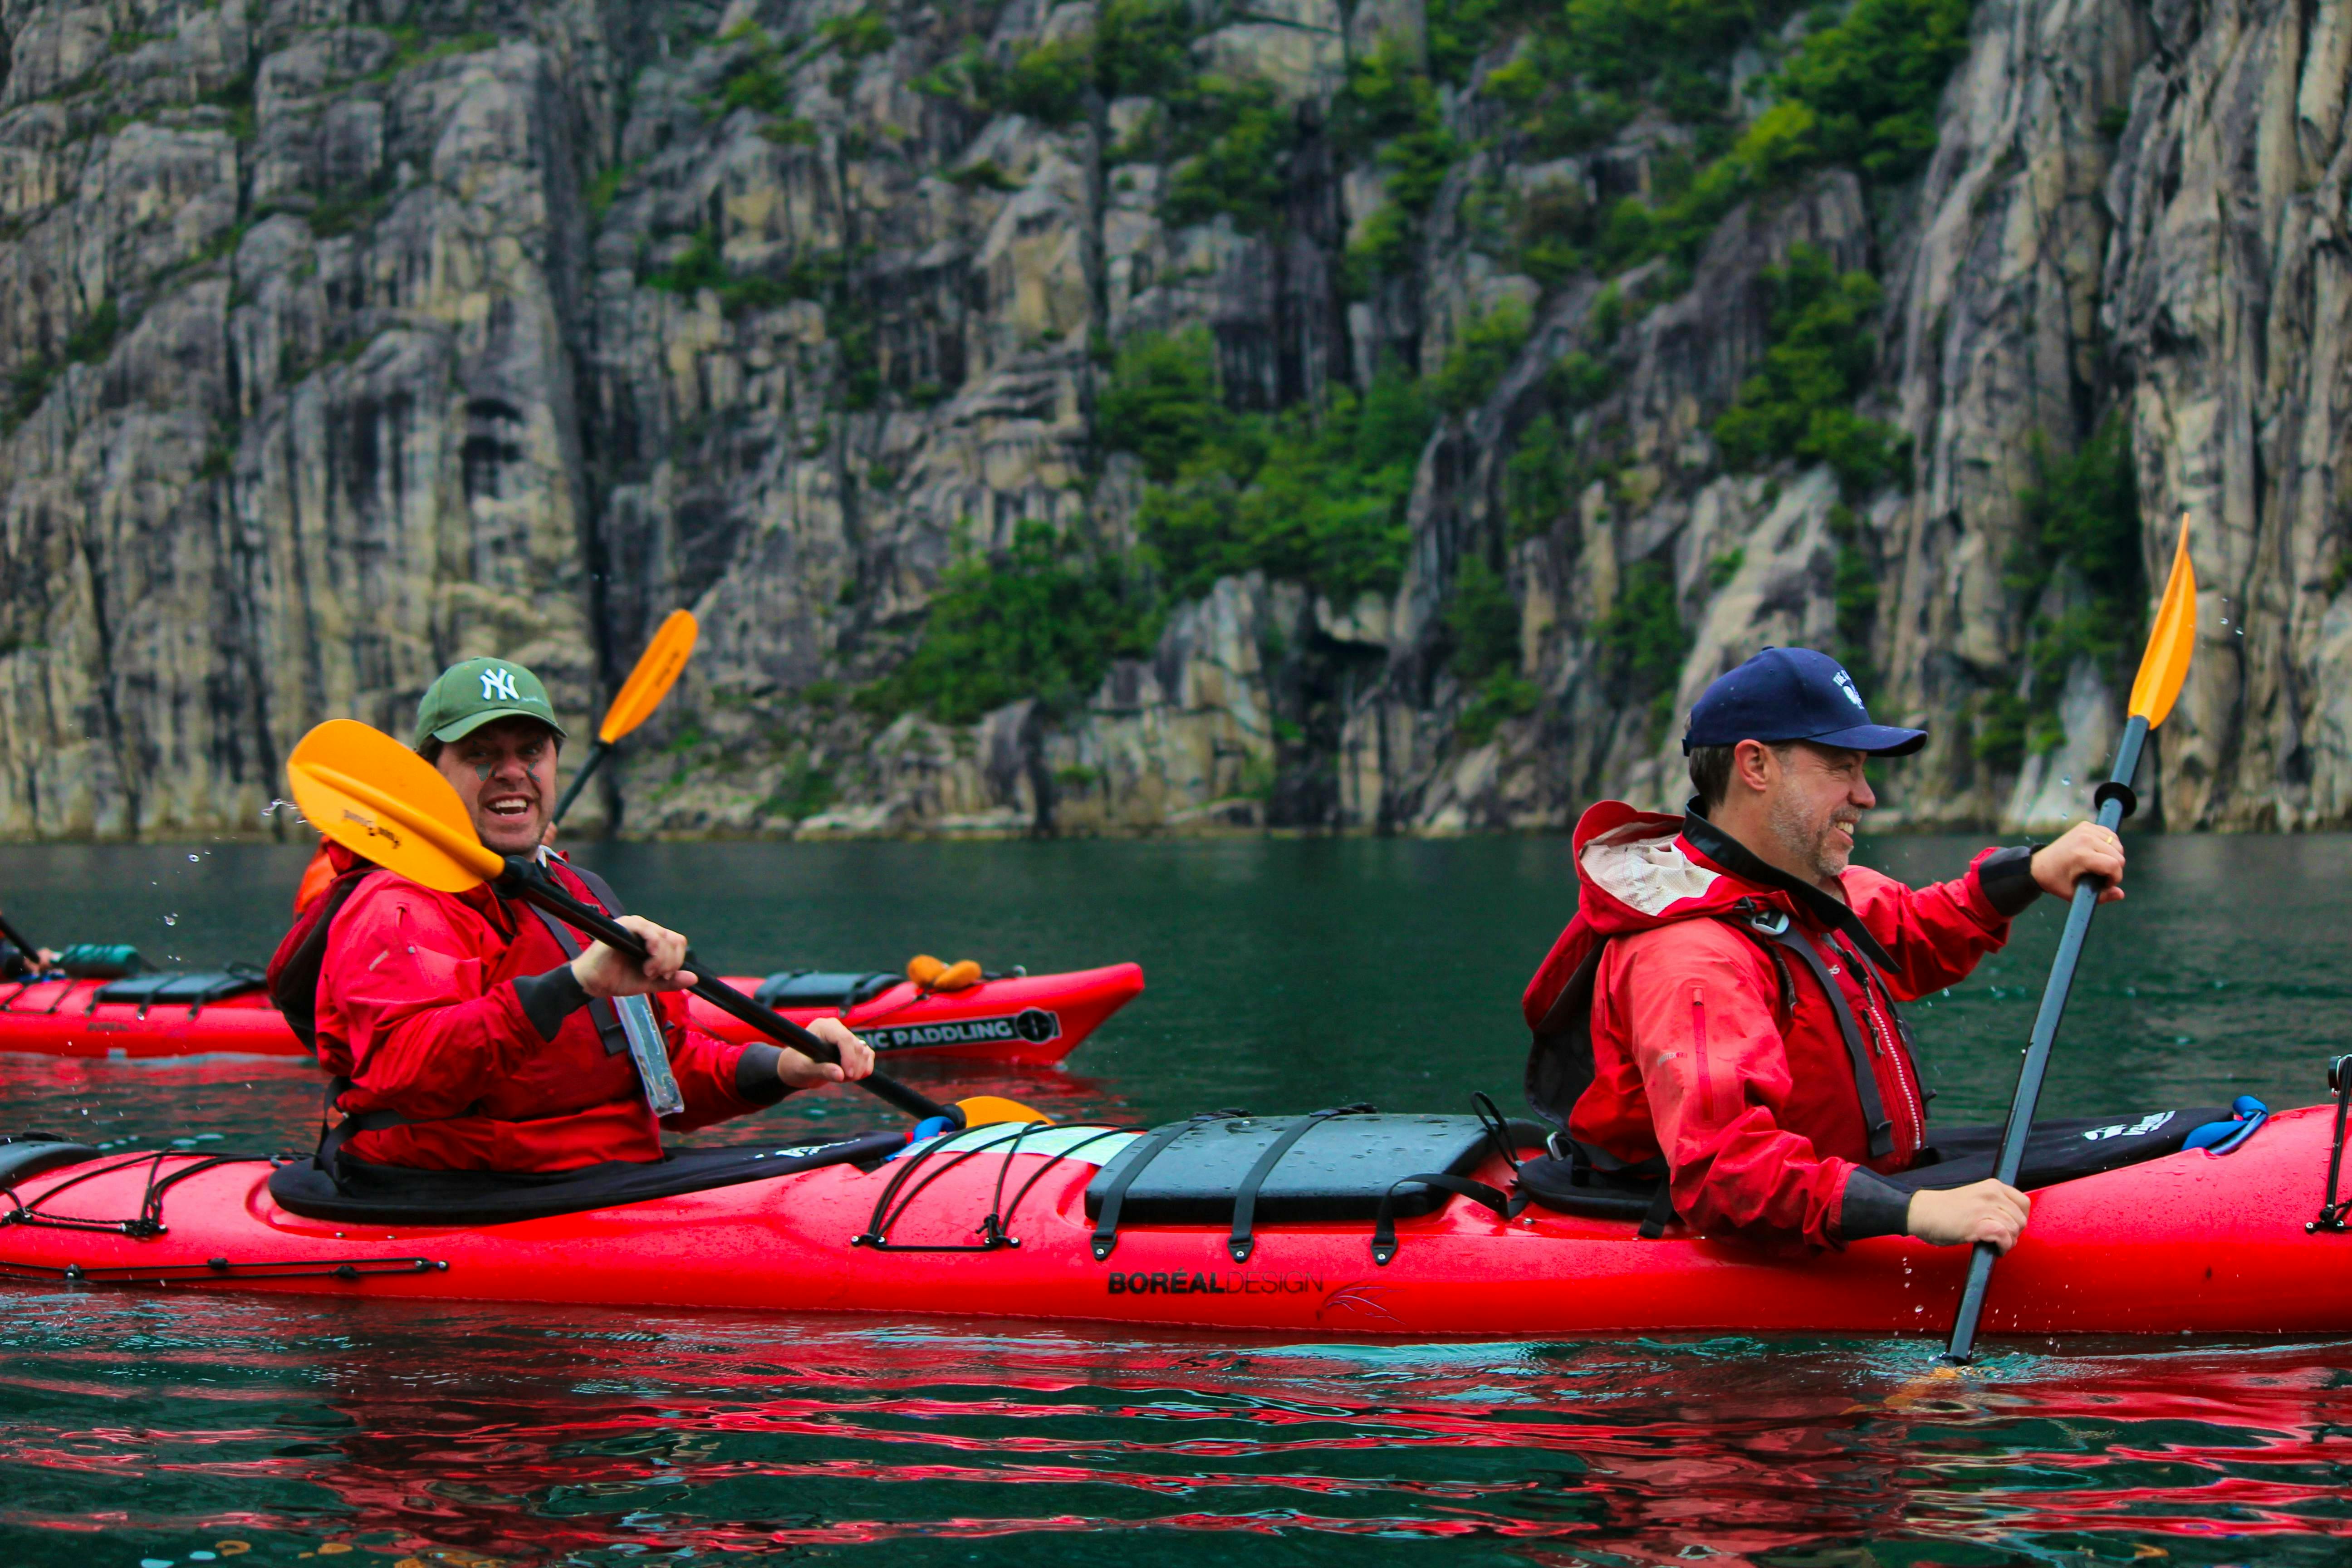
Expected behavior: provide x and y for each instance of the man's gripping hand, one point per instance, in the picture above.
(1982, 1211)
(856, 1058)
(2083, 849)
(601, 972)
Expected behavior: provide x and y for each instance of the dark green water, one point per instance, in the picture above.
(1282, 975)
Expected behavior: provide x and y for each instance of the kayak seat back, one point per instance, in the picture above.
(392, 1194)
(1338, 1169)
(821, 988)
(27, 1154)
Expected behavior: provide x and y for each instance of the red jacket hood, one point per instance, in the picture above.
(1635, 871)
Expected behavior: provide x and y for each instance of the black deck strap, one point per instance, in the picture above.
(1498, 1127)
(2331, 1212)
(881, 1239)
(236, 980)
(877, 1233)
(1048, 1164)
(600, 1009)
(148, 1223)
(991, 1223)
(905, 1167)
(1385, 1241)
(332, 1139)
(1242, 1242)
(151, 1206)
(1777, 928)
(1662, 1211)
(1105, 1240)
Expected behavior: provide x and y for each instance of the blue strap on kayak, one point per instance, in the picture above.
(2227, 1137)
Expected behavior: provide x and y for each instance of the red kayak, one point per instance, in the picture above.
(1028, 1223)
(1036, 1018)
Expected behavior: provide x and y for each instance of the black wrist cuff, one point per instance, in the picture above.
(1873, 1207)
(548, 999)
(2007, 878)
(756, 1078)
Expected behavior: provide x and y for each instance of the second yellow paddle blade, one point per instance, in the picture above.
(2170, 641)
(375, 798)
(657, 670)
(984, 1109)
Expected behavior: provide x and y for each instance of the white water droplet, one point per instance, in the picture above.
(172, 919)
(195, 860)
(2068, 782)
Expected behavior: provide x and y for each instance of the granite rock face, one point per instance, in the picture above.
(344, 340)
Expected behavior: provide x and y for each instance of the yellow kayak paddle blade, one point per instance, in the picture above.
(377, 798)
(657, 670)
(2170, 641)
(988, 1110)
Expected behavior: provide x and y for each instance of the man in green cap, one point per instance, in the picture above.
(469, 1033)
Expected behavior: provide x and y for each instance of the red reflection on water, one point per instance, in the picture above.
(529, 1437)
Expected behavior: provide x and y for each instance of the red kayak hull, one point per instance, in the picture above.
(2188, 1243)
(1038, 1019)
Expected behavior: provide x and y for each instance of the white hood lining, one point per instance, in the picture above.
(1642, 867)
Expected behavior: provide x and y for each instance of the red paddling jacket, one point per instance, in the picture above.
(1710, 1009)
(444, 1008)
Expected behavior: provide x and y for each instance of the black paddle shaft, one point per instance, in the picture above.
(2116, 803)
(588, 766)
(528, 881)
(20, 941)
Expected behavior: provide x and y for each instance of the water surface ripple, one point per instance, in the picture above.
(188, 1429)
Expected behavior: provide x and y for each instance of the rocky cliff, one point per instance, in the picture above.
(1144, 416)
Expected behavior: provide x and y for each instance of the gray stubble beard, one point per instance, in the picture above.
(1802, 842)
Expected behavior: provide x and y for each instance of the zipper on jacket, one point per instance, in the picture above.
(1880, 1029)
(1706, 1062)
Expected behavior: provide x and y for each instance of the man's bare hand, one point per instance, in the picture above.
(2083, 849)
(856, 1058)
(601, 972)
(1982, 1211)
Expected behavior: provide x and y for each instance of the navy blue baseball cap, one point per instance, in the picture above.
(1794, 694)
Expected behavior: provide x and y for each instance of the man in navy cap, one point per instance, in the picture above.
(1719, 1019)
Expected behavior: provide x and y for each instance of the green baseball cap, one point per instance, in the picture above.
(470, 695)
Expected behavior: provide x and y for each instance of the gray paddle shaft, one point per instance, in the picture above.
(2114, 804)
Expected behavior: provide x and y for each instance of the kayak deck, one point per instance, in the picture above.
(2188, 1243)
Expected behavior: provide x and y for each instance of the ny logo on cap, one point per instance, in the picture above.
(498, 685)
